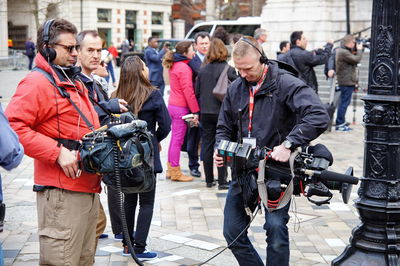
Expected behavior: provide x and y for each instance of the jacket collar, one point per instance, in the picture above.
(42, 63)
(268, 86)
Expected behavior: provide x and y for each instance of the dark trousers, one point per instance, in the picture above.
(345, 99)
(192, 147)
(236, 219)
(146, 205)
(114, 210)
(30, 62)
(209, 129)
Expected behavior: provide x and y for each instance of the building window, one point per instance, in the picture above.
(130, 16)
(157, 18)
(103, 15)
(159, 34)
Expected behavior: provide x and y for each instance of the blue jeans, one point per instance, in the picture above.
(236, 219)
(345, 98)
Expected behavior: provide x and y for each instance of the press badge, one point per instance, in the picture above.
(251, 141)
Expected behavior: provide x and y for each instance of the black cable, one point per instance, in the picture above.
(233, 242)
(121, 204)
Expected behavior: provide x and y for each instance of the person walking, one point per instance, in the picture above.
(148, 104)
(153, 59)
(30, 51)
(209, 106)
(181, 102)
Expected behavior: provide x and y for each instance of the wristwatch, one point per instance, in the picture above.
(288, 144)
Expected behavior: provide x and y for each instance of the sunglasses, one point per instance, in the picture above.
(69, 48)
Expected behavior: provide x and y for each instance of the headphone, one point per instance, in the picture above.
(263, 58)
(48, 52)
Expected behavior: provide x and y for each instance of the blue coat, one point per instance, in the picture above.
(11, 151)
(155, 113)
(153, 60)
(195, 65)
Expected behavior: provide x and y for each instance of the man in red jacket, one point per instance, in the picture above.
(49, 128)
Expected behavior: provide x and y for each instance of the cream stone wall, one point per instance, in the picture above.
(20, 13)
(320, 20)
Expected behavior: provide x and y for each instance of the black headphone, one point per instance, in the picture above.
(48, 52)
(263, 58)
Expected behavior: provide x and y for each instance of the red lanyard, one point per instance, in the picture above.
(251, 101)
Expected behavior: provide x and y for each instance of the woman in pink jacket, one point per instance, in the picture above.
(182, 101)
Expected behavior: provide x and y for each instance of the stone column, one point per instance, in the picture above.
(3, 28)
(376, 240)
(179, 29)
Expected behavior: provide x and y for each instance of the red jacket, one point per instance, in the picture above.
(182, 92)
(33, 115)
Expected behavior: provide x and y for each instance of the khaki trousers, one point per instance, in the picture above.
(67, 226)
(101, 223)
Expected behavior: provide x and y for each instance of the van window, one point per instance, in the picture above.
(242, 29)
(206, 28)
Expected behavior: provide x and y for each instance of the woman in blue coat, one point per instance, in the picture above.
(148, 104)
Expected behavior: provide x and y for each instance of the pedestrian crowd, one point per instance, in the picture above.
(72, 87)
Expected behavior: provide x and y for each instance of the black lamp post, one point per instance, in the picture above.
(376, 241)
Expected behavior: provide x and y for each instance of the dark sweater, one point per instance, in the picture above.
(205, 83)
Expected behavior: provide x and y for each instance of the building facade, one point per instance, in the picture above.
(114, 19)
(320, 20)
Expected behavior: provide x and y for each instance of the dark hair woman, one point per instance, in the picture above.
(182, 101)
(209, 105)
(147, 103)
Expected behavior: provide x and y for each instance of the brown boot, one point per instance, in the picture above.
(168, 172)
(176, 175)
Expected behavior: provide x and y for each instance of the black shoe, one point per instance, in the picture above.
(210, 184)
(223, 186)
(195, 173)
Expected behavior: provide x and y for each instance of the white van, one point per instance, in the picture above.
(243, 25)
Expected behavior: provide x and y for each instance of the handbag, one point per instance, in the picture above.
(220, 89)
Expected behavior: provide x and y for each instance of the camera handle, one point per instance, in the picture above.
(262, 189)
(240, 126)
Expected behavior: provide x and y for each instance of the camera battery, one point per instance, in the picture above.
(221, 149)
(230, 153)
(242, 154)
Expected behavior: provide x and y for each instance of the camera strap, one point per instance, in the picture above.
(65, 94)
(262, 189)
(251, 98)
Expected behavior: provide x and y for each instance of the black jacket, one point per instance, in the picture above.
(155, 113)
(304, 61)
(285, 107)
(94, 88)
(205, 83)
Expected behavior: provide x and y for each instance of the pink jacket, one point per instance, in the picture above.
(182, 92)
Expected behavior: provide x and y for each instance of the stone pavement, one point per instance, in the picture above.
(188, 217)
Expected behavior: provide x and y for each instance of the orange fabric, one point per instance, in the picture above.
(32, 113)
(113, 51)
(181, 87)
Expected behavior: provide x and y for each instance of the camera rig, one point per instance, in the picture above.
(307, 173)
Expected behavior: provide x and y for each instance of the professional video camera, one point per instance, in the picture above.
(311, 177)
(364, 41)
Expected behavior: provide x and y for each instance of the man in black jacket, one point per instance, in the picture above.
(89, 55)
(279, 111)
(304, 61)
